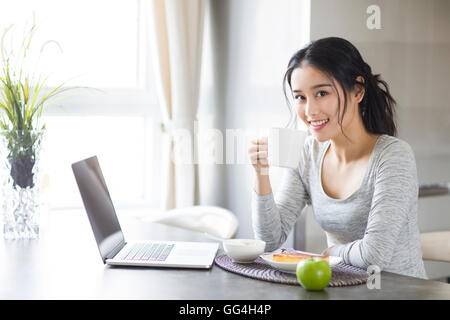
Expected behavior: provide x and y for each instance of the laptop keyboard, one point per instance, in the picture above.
(147, 252)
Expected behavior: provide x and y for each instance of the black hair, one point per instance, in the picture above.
(341, 61)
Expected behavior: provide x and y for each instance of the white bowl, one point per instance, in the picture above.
(243, 250)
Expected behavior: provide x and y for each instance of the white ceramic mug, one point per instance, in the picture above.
(285, 146)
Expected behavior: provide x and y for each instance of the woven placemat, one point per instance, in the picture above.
(341, 274)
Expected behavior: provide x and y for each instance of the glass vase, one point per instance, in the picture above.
(20, 186)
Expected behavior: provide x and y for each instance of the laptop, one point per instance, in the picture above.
(114, 250)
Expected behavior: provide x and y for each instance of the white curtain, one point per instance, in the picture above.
(176, 34)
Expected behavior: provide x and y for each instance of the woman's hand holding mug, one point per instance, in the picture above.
(282, 148)
(258, 154)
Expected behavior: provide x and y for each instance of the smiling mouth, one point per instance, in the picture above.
(318, 123)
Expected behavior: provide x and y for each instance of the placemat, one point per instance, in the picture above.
(341, 274)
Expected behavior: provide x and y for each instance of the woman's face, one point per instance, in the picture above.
(316, 103)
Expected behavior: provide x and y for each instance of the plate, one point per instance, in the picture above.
(291, 267)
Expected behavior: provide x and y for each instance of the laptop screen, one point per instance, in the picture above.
(98, 205)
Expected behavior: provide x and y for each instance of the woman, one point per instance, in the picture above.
(360, 180)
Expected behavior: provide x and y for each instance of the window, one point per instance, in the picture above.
(93, 43)
(99, 44)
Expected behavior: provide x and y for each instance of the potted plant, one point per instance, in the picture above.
(23, 97)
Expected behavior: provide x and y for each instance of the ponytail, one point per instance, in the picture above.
(377, 106)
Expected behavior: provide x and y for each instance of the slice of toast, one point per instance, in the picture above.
(295, 257)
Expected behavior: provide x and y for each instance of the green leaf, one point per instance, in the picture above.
(22, 96)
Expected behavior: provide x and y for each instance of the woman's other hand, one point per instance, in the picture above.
(326, 252)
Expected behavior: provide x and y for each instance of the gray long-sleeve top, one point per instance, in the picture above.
(376, 225)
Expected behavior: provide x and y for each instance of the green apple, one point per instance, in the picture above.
(313, 273)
